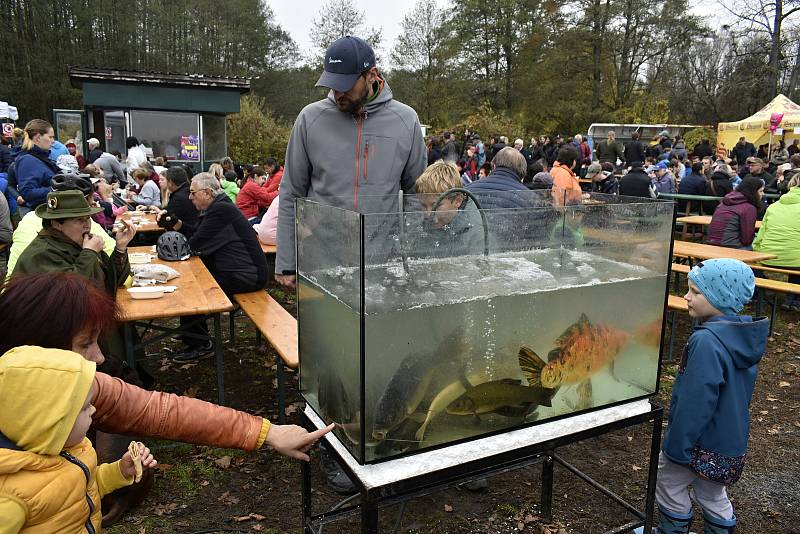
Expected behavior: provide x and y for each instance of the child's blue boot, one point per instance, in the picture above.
(671, 523)
(717, 525)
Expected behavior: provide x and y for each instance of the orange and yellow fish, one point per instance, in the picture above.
(582, 350)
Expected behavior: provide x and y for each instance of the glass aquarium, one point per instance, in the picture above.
(426, 320)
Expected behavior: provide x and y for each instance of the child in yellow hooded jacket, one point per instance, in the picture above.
(49, 477)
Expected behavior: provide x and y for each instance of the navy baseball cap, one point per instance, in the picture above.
(345, 60)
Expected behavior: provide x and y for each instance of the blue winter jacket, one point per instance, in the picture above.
(34, 171)
(709, 410)
(496, 191)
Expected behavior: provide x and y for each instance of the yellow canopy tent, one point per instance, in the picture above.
(756, 127)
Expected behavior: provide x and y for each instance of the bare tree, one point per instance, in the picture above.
(769, 17)
(336, 19)
(418, 50)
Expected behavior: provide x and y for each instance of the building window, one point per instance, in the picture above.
(214, 140)
(173, 136)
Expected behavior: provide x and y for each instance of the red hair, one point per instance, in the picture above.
(51, 309)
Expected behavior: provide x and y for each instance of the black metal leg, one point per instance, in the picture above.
(652, 474)
(673, 319)
(369, 514)
(130, 355)
(774, 310)
(281, 390)
(219, 355)
(232, 330)
(547, 488)
(305, 488)
(759, 301)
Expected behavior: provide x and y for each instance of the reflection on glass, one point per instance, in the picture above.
(69, 127)
(171, 135)
(115, 132)
(214, 141)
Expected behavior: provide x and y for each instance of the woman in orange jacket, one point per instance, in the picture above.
(566, 188)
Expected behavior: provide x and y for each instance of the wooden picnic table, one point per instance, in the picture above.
(197, 293)
(147, 221)
(702, 251)
(703, 220)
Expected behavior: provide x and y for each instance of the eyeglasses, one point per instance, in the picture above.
(193, 192)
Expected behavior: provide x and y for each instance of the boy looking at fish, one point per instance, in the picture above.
(49, 477)
(454, 227)
(709, 420)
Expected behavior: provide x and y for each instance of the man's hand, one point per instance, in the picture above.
(294, 441)
(93, 242)
(126, 463)
(125, 234)
(287, 280)
(20, 201)
(160, 214)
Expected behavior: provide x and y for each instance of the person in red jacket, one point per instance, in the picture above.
(274, 173)
(253, 196)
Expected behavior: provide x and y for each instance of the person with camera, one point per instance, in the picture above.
(180, 214)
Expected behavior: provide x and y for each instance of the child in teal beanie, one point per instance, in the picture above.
(709, 418)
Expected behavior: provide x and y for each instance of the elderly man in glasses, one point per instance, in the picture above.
(229, 248)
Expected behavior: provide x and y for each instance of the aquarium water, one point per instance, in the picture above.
(441, 327)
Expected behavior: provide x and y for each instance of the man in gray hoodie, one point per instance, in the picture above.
(358, 142)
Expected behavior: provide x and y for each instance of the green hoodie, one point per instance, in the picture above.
(230, 188)
(780, 231)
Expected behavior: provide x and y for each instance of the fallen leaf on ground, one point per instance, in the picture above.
(764, 412)
(636, 468)
(448, 508)
(258, 526)
(783, 384)
(165, 509)
(227, 498)
(187, 366)
(224, 462)
(770, 398)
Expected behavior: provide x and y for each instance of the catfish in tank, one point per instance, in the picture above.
(584, 349)
(506, 397)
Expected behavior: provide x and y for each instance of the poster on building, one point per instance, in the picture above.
(190, 147)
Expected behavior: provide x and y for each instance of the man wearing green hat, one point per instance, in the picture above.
(66, 243)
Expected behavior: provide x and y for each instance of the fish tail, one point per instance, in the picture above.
(649, 334)
(531, 365)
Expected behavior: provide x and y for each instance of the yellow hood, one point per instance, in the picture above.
(41, 392)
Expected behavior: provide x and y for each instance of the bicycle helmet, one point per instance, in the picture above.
(70, 182)
(173, 246)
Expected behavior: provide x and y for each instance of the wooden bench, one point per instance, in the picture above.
(675, 304)
(279, 328)
(764, 284)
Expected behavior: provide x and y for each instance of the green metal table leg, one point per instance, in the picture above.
(219, 355)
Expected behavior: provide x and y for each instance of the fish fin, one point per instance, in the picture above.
(521, 410)
(531, 365)
(418, 417)
(580, 324)
(547, 397)
(511, 381)
(585, 395)
(554, 355)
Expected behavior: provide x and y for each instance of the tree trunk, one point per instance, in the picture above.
(775, 51)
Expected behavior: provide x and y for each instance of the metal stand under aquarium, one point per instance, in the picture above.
(402, 479)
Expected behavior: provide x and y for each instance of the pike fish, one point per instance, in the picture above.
(403, 394)
(504, 397)
(582, 350)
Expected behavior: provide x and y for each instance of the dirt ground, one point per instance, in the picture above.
(208, 490)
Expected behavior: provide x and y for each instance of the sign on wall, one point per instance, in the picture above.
(190, 147)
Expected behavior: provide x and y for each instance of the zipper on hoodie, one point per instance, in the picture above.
(359, 122)
(366, 159)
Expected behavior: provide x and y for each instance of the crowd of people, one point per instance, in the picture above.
(68, 258)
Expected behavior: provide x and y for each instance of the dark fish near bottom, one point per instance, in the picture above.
(504, 397)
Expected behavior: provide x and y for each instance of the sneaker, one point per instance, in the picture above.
(195, 354)
(336, 478)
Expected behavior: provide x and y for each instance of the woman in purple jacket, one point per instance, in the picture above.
(734, 221)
